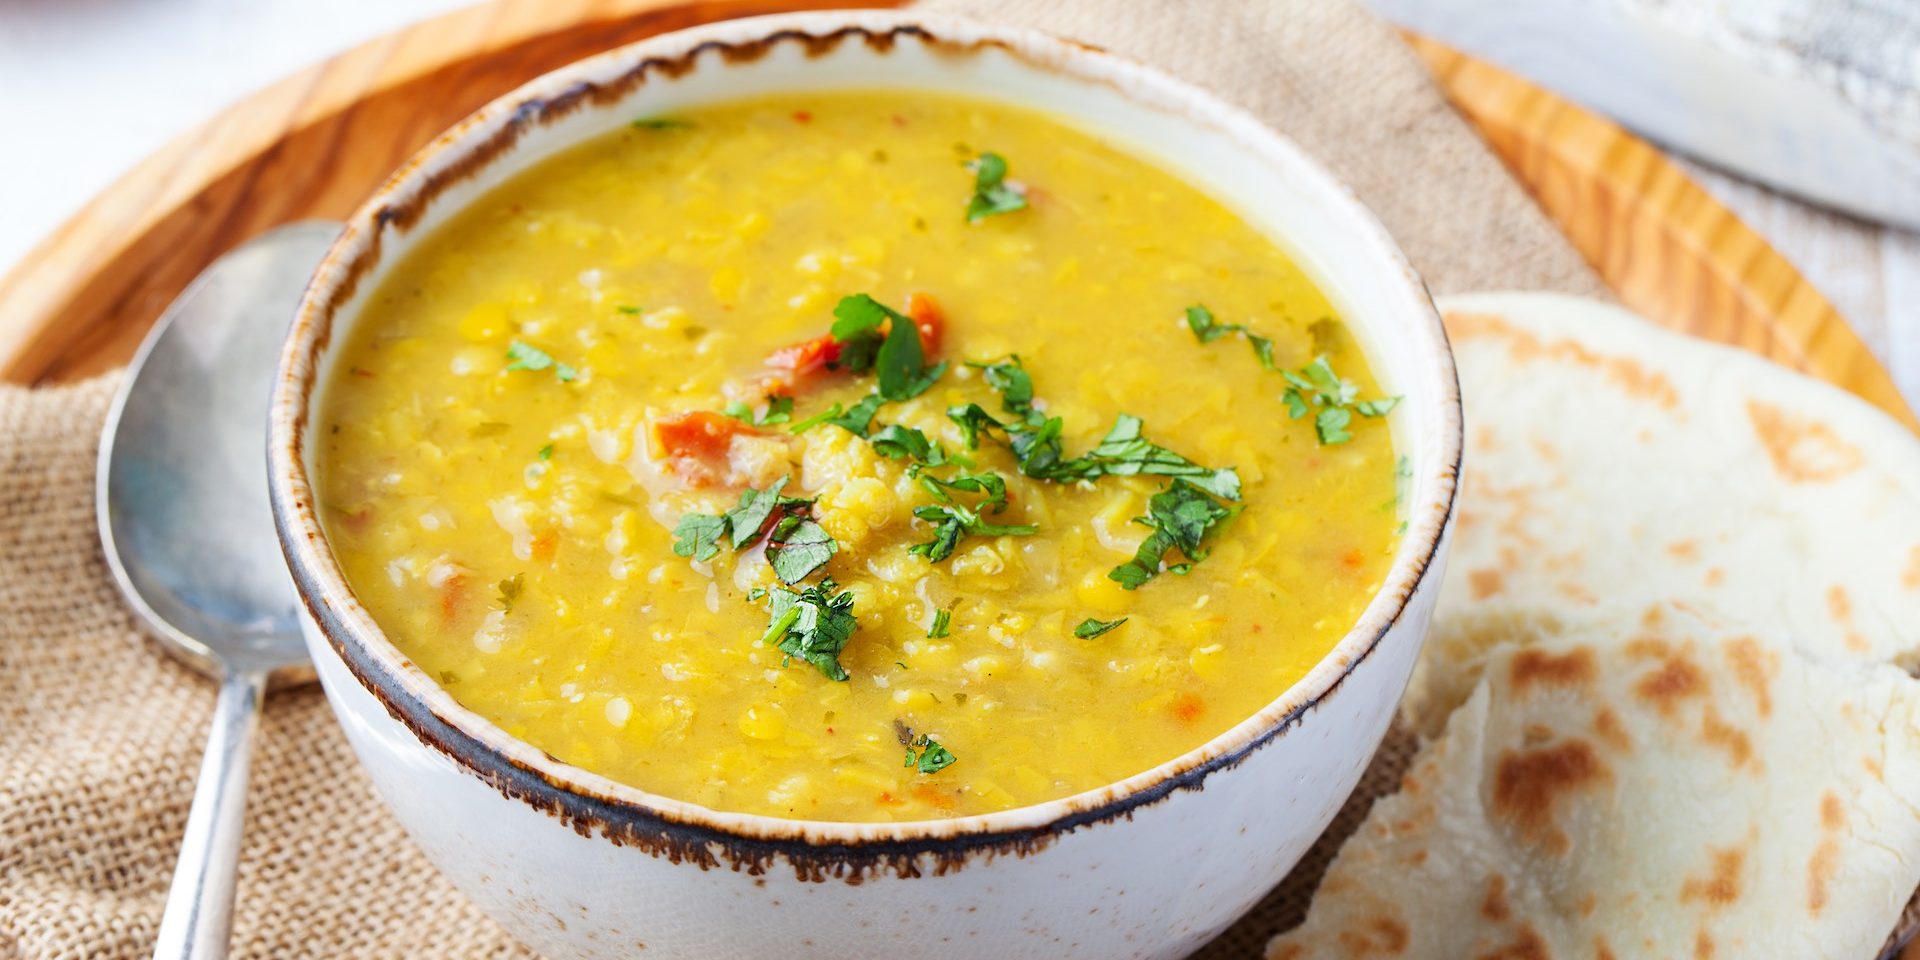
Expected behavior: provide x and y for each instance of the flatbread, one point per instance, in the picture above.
(1641, 786)
(1613, 463)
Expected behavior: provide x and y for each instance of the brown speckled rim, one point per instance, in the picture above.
(592, 804)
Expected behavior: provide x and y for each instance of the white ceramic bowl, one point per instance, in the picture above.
(1153, 866)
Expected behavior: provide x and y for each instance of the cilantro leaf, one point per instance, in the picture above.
(748, 517)
(1090, 628)
(991, 194)
(953, 519)
(898, 442)
(1200, 320)
(856, 327)
(510, 590)
(898, 360)
(779, 410)
(1181, 517)
(899, 363)
(1316, 385)
(813, 625)
(859, 418)
(798, 547)
(928, 755)
(523, 356)
(697, 535)
(546, 452)
(942, 624)
(1262, 350)
(1330, 424)
(974, 420)
(1011, 380)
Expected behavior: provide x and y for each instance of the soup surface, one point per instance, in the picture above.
(857, 457)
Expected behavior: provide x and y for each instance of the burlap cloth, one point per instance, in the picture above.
(100, 734)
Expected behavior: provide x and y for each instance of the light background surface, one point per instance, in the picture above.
(88, 87)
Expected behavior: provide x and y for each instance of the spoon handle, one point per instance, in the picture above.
(200, 902)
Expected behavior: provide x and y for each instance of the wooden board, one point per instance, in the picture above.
(315, 143)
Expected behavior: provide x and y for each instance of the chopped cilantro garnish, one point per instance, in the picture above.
(1316, 385)
(895, 356)
(1011, 380)
(698, 535)
(546, 452)
(661, 123)
(1090, 628)
(859, 418)
(510, 589)
(927, 754)
(629, 309)
(756, 594)
(817, 419)
(991, 193)
(942, 624)
(898, 442)
(798, 547)
(953, 519)
(974, 420)
(1035, 440)
(1181, 517)
(778, 410)
(813, 625)
(523, 356)
(1200, 320)
(749, 517)
(1262, 350)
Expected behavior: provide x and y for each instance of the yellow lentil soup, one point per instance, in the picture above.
(857, 457)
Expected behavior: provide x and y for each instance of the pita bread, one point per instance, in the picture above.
(1610, 462)
(1650, 786)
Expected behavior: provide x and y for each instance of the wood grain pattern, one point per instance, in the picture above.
(1660, 241)
(313, 144)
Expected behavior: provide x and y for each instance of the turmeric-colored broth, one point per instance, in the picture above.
(532, 403)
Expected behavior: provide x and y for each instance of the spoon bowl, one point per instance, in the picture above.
(188, 534)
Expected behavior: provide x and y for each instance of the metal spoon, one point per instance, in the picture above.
(182, 505)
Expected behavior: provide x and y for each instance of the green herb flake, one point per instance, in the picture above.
(896, 442)
(895, 356)
(1181, 516)
(546, 452)
(942, 624)
(522, 356)
(992, 195)
(749, 516)
(777, 410)
(928, 755)
(859, 418)
(798, 547)
(1316, 386)
(630, 310)
(1200, 320)
(953, 519)
(510, 590)
(813, 625)
(1090, 628)
(697, 536)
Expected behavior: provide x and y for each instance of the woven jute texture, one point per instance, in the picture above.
(100, 734)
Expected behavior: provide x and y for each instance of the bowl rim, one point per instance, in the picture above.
(589, 802)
